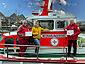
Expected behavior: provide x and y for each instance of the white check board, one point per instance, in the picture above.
(70, 32)
(28, 33)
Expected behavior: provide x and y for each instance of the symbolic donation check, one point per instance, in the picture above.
(70, 32)
(28, 33)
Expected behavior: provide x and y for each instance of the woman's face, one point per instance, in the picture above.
(37, 23)
(25, 23)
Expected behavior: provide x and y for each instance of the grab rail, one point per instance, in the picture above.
(33, 46)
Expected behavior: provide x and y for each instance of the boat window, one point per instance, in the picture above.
(30, 40)
(60, 24)
(47, 24)
(1, 38)
(9, 41)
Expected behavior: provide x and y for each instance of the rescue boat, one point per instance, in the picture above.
(52, 42)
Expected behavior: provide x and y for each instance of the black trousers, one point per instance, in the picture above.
(74, 47)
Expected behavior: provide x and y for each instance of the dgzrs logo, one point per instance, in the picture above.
(54, 42)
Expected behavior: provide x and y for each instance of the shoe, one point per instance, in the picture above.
(73, 55)
(62, 58)
(75, 58)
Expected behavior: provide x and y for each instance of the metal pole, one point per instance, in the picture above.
(7, 51)
(66, 54)
(37, 54)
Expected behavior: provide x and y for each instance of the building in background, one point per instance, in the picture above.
(3, 20)
(16, 20)
(21, 18)
(13, 19)
(11, 22)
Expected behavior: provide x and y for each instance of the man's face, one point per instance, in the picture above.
(71, 21)
(37, 23)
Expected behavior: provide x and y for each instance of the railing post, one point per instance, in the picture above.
(7, 51)
(66, 54)
(37, 53)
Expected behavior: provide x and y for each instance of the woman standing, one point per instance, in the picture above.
(23, 40)
(36, 31)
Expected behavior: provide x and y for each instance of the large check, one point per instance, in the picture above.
(70, 32)
(28, 33)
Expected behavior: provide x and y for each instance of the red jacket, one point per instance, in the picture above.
(76, 29)
(21, 32)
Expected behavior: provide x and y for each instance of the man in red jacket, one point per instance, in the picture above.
(22, 39)
(74, 37)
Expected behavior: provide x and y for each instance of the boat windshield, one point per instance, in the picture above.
(47, 24)
(60, 24)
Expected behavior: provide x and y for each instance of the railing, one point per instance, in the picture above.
(19, 46)
(31, 46)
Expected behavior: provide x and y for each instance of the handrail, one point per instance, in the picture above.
(33, 46)
(20, 45)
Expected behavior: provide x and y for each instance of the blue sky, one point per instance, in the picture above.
(8, 7)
